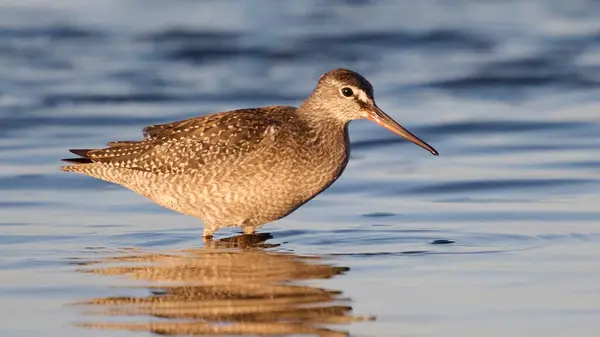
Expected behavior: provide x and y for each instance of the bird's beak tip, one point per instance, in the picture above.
(378, 116)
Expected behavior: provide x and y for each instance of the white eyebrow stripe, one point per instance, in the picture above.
(362, 96)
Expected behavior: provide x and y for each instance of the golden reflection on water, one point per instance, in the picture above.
(232, 286)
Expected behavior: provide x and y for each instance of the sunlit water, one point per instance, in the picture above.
(498, 236)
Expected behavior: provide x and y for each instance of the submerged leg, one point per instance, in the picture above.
(208, 232)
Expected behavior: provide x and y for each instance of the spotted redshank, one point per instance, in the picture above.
(244, 168)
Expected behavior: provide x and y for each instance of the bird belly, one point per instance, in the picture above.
(274, 189)
(253, 192)
(245, 194)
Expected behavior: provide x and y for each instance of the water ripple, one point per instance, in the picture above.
(54, 33)
(490, 185)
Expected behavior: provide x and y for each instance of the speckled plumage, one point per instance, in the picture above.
(239, 168)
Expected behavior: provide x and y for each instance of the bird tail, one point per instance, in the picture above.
(84, 158)
(79, 162)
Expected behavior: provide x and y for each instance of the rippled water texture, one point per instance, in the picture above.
(498, 236)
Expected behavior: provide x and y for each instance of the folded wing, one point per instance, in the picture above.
(191, 144)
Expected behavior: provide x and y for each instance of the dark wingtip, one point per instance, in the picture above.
(80, 152)
(83, 153)
(78, 160)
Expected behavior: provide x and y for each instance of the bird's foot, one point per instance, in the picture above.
(208, 234)
(207, 239)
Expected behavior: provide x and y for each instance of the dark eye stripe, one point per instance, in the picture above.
(362, 105)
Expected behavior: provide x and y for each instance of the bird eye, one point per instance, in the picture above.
(347, 92)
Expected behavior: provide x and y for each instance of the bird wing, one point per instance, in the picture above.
(194, 143)
(152, 130)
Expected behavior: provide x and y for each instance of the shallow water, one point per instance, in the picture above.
(498, 236)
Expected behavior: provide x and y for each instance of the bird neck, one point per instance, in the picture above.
(324, 129)
(318, 118)
(324, 132)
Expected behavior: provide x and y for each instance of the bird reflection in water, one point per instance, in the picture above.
(231, 286)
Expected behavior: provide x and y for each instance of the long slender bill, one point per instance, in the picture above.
(381, 118)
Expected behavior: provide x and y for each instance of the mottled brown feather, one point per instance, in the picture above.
(121, 143)
(152, 130)
(192, 143)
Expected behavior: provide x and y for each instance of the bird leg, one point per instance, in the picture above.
(208, 232)
(208, 241)
(249, 229)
